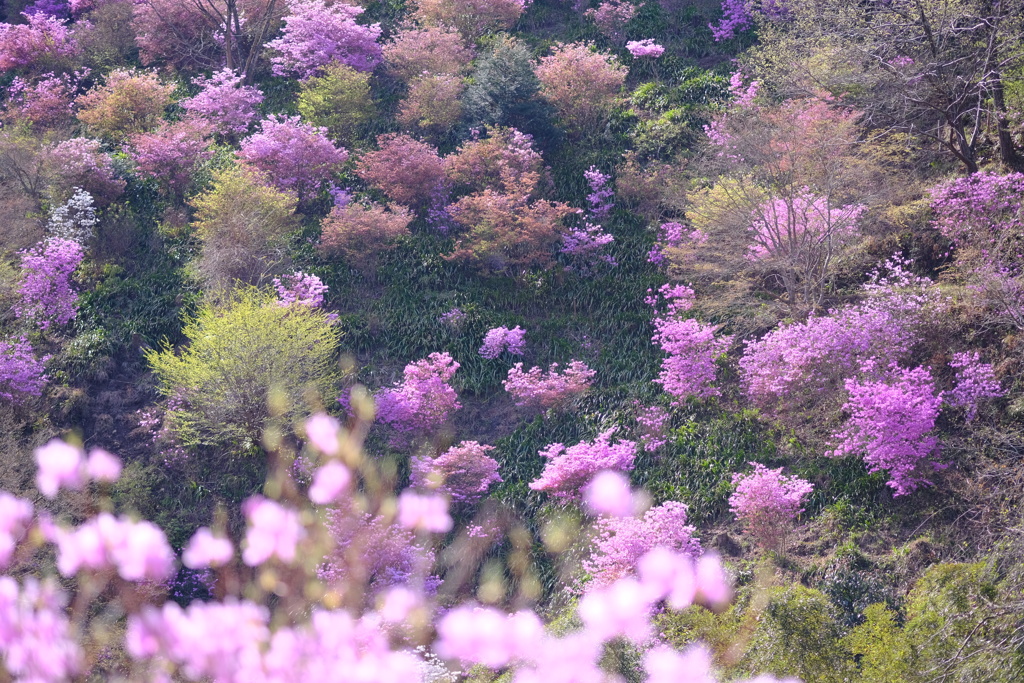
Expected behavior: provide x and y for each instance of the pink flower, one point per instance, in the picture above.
(60, 465)
(103, 466)
(398, 603)
(609, 494)
(323, 432)
(484, 635)
(15, 516)
(644, 48)
(621, 609)
(500, 339)
(274, 531)
(140, 552)
(423, 513)
(207, 550)
(712, 582)
(329, 482)
(665, 665)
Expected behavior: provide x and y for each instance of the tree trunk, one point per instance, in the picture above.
(1007, 150)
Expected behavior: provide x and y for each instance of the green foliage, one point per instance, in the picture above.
(339, 100)
(247, 361)
(798, 634)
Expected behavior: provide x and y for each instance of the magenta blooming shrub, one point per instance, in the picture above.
(80, 162)
(611, 18)
(21, 372)
(424, 400)
(766, 502)
(645, 48)
(735, 18)
(542, 390)
(692, 347)
(501, 339)
(570, 469)
(300, 289)
(600, 197)
(801, 226)
(585, 248)
(293, 155)
(890, 425)
(45, 102)
(983, 211)
(47, 296)
(172, 153)
(620, 542)
(464, 472)
(224, 103)
(317, 33)
(975, 382)
(652, 426)
(674, 235)
(43, 38)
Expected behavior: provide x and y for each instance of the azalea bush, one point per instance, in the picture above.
(767, 502)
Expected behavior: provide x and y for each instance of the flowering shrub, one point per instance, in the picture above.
(585, 247)
(735, 18)
(361, 233)
(433, 103)
(294, 156)
(975, 382)
(611, 18)
(44, 102)
(504, 161)
(600, 197)
(692, 347)
(463, 472)
(404, 169)
(80, 162)
(42, 40)
(620, 542)
(224, 103)
(501, 339)
(674, 236)
(581, 84)
(414, 51)
(766, 502)
(644, 48)
(543, 390)
(128, 102)
(472, 18)
(568, 470)
(453, 318)
(47, 296)
(172, 153)
(652, 425)
(75, 219)
(300, 289)
(890, 424)
(21, 372)
(424, 400)
(317, 33)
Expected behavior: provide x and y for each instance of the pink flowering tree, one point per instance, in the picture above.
(620, 542)
(611, 18)
(570, 469)
(674, 237)
(891, 420)
(294, 156)
(21, 371)
(82, 163)
(540, 390)
(688, 371)
(224, 103)
(975, 382)
(414, 51)
(40, 42)
(498, 340)
(767, 502)
(406, 170)
(300, 289)
(317, 33)
(423, 402)
(645, 48)
(47, 296)
(44, 102)
(172, 153)
(464, 472)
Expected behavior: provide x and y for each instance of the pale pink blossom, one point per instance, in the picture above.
(423, 513)
(329, 482)
(207, 550)
(323, 432)
(15, 516)
(273, 531)
(665, 665)
(60, 466)
(608, 493)
(621, 609)
(103, 466)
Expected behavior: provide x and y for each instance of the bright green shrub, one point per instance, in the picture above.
(240, 355)
(339, 100)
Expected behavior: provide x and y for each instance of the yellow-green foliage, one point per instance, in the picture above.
(240, 356)
(957, 624)
(243, 224)
(339, 101)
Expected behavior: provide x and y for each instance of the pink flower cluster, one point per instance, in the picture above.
(62, 465)
(301, 289)
(224, 103)
(36, 638)
(983, 211)
(621, 542)
(464, 472)
(453, 318)
(692, 346)
(891, 420)
(538, 389)
(501, 339)
(767, 501)
(428, 513)
(137, 550)
(21, 372)
(652, 425)
(672, 235)
(293, 155)
(317, 33)
(46, 294)
(80, 162)
(611, 18)
(645, 48)
(424, 400)
(44, 102)
(600, 197)
(172, 153)
(42, 37)
(801, 225)
(273, 531)
(975, 382)
(570, 469)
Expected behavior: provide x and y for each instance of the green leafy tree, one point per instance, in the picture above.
(339, 100)
(244, 357)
